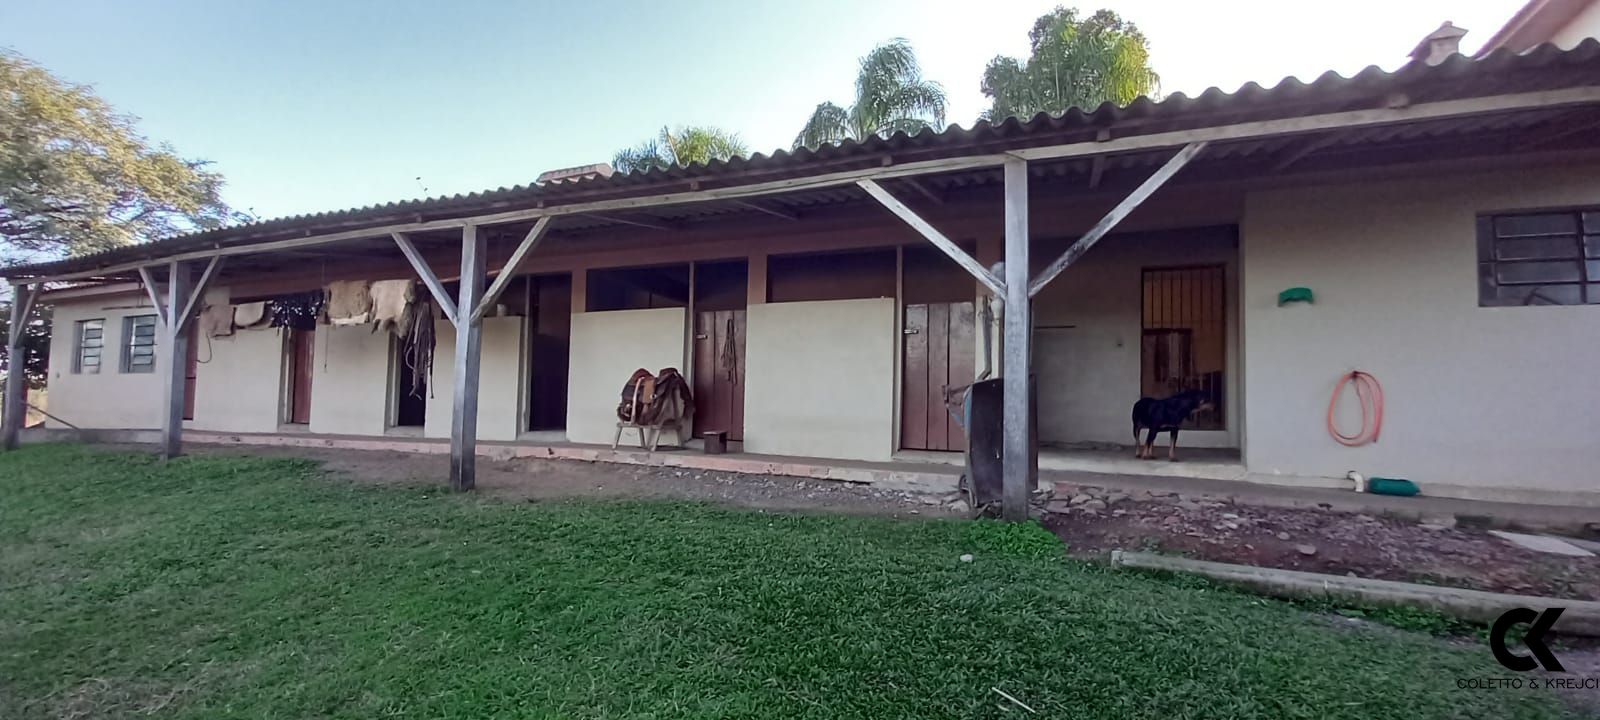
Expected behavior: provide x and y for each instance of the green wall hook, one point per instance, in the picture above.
(1296, 294)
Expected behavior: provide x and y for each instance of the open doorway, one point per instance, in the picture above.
(410, 383)
(1184, 338)
(721, 290)
(549, 344)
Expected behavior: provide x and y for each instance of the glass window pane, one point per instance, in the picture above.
(1594, 293)
(1594, 269)
(1536, 272)
(1559, 246)
(1591, 222)
(1591, 246)
(1542, 224)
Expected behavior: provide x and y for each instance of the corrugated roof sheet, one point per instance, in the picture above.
(1501, 72)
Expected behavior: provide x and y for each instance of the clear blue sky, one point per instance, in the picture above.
(308, 106)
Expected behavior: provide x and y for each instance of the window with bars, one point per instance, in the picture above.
(90, 341)
(139, 344)
(1549, 257)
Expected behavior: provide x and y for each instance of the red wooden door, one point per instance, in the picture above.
(719, 372)
(302, 344)
(938, 353)
(192, 371)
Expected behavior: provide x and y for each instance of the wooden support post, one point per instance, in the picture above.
(469, 343)
(1133, 200)
(16, 396)
(176, 330)
(1016, 457)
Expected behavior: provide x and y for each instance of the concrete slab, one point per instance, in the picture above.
(1542, 543)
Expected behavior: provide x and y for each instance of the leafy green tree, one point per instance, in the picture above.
(679, 146)
(891, 96)
(76, 177)
(1073, 62)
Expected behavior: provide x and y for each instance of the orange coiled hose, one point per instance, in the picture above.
(1370, 394)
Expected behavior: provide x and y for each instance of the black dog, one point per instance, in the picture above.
(1165, 416)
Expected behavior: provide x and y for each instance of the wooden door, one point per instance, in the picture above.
(302, 348)
(192, 371)
(549, 348)
(938, 353)
(719, 372)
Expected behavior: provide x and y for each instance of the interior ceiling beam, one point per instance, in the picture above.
(1133, 200)
(651, 224)
(1096, 171)
(768, 209)
(923, 190)
(933, 235)
(1306, 148)
(1371, 117)
(1577, 126)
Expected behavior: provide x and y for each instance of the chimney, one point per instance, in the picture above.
(1438, 45)
(581, 172)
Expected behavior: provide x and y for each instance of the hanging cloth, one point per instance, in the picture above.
(392, 306)
(216, 320)
(298, 311)
(249, 315)
(349, 302)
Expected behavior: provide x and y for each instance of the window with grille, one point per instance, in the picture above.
(1539, 258)
(1185, 338)
(139, 344)
(90, 340)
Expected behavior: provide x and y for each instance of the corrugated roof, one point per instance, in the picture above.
(1501, 72)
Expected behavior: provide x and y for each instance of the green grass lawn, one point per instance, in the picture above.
(242, 587)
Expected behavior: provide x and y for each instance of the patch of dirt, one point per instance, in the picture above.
(542, 479)
(1093, 521)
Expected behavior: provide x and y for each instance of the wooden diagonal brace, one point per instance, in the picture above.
(150, 289)
(509, 270)
(1133, 200)
(934, 236)
(447, 306)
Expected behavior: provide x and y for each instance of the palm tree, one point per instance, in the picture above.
(684, 145)
(891, 96)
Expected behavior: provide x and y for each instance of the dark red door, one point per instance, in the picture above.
(939, 354)
(302, 344)
(719, 372)
(192, 372)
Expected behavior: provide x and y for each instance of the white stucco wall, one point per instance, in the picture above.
(1586, 24)
(1496, 403)
(606, 348)
(239, 382)
(820, 379)
(350, 381)
(1086, 353)
(501, 380)
(110, 399)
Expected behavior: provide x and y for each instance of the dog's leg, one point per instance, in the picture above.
(1172, 447)
(1149, 443)
(1138, 447)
